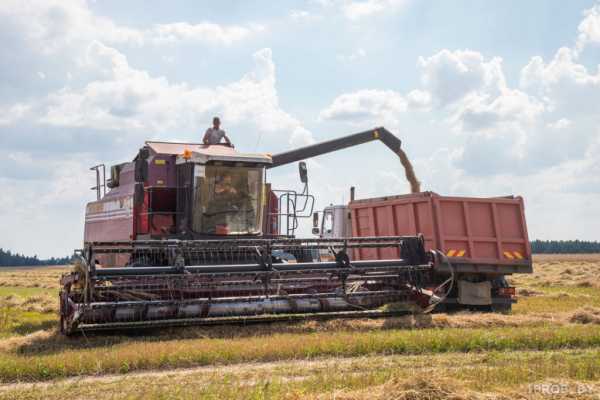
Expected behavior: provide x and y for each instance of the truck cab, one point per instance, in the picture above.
(333, 222)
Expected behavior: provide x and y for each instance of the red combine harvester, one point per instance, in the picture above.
(192, 234)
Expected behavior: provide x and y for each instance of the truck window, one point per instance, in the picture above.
(328, 221)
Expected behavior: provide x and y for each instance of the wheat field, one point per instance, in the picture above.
(548, 347)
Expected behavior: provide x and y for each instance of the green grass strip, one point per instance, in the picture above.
(136, 355)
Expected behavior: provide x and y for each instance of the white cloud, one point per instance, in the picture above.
(52, 25)
(469, 94)
(301, 137)
(589, 28)
(560, 124)
(366, 105)
(304, 16)
(355, 55)
(355, 10)
(419, 99)
(126, 98)
(13, 113)
(463, 83)
(451, 75)
(564, 84)
(206, 32)
(51, 37)
(509, 109)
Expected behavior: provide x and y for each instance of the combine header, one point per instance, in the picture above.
(244, 278)
(192, 234)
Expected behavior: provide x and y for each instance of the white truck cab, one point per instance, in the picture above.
(335, 222)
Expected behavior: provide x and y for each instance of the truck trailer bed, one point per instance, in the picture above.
(480, 235)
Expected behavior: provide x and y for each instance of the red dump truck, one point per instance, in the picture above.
(483, 239)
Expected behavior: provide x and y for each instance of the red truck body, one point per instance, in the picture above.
(477, 234)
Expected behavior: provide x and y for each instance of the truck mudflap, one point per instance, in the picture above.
(474, 293)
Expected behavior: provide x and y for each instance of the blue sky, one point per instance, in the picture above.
(489, 98)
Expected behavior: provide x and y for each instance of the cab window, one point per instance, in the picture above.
(328, 221)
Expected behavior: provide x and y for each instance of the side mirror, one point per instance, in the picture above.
(303, 172)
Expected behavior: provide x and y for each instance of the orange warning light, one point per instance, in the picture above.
(187, 154)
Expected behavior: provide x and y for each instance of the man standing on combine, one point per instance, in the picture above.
(215, 134)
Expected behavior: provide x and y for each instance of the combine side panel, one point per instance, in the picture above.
(112, 217)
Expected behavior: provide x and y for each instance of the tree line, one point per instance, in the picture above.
(9, 259)
(564, 246)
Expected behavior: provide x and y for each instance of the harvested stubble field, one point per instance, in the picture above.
(551, 337)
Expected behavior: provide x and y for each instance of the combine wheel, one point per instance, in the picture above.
(65, 326)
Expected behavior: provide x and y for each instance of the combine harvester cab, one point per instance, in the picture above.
(482, 240)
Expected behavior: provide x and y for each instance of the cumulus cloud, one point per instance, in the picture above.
(47, 38)
(559, 124)
(548, 120)
(419, 99)
(451, 75)
(124, 98)
(380, 105)
(355, 10)
(50, 26)
(355, 55)
(509, 109)
(463, 83)
(589, 28)
(202, 32)
(13, 113)
(566, 85)
(304, 16)
(301, 137)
